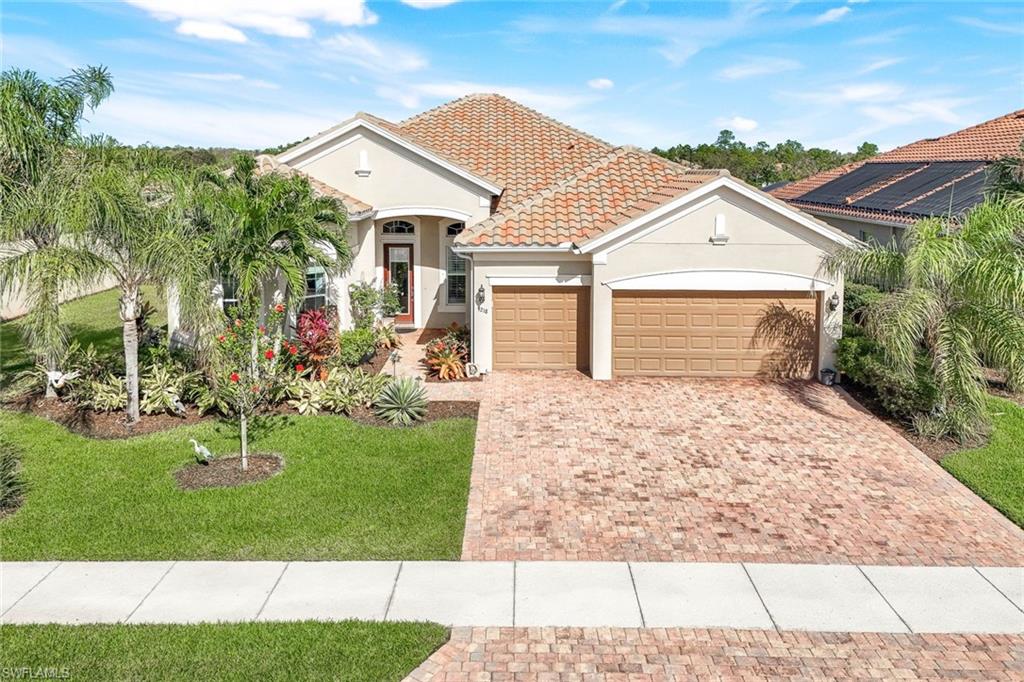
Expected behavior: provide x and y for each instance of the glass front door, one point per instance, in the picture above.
(398, 272)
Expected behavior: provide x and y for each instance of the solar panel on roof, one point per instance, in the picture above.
(836, 191)
(952, 200)
(916, 184)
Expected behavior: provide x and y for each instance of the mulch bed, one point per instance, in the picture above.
(111, 425)
(436, 410)
(935, 449)
(227, 472)
(433, 379)
(104, 425)
(375, 363)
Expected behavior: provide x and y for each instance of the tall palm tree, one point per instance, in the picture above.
(38, 180)
(124, 210)
(955, 291)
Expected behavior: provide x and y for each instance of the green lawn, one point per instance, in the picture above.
(91, 319)
(996, 471)
(349, 650)
(348, 491)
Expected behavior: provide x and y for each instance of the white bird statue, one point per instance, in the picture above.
(57, 378)
(179, 407)
(203, 454)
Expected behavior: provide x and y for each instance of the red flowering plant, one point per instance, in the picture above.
(253, 361)
(447, 356)
(317, 334)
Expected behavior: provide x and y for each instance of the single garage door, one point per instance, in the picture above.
(715, 334)
(541, 327)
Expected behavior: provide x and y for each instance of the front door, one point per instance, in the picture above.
(398, 273)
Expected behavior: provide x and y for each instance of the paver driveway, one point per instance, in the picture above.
(689, 470)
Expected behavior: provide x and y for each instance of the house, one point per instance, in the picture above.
(877, 198)
(561, 251)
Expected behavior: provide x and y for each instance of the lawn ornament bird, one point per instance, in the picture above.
(203, 454)
(178, 406)
(57, 378)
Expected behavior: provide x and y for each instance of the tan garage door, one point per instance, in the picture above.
(541, 328)
(715, 334)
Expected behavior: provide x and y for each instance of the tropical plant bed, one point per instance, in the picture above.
(434, 379)
(112, 425)
(226, 472)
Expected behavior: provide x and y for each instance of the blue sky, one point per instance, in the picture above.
(256, 73)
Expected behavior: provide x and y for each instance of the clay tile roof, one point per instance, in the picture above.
(354, 207)
(514, 146)
(984, 143)
(620, 185)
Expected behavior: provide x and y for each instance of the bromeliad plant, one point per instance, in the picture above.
(447, 356)
(252, 361)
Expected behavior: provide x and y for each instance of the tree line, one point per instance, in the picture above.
(761, 164)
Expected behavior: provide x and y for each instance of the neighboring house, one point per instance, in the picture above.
(561, 251)
(878, 197)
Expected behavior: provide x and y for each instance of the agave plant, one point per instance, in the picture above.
(402, 402)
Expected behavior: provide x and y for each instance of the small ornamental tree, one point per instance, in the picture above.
(254, 361)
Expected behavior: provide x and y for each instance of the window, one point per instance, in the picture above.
(398, 227)
(455, 267)
(316, 289)
(228, 292)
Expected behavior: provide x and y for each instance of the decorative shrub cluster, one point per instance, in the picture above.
(367, 302)
(340, 391)
(447, 356)
(355, 345)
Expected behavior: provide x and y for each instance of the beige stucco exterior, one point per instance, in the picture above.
(862, 229)
(765, 251)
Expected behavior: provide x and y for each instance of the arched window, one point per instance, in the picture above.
(455, 268)
(398, 227)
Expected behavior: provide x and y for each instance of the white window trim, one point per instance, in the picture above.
(444, 242)
(417, 271)
(327, 288)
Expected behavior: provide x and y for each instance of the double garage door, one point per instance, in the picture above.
(660, 333)
(714, 334)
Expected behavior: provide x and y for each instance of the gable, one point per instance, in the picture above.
(387, 174)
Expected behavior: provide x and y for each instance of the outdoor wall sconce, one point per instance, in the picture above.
(833, 302)
(481, 295)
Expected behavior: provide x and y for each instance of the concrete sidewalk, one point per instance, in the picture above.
(832, 598)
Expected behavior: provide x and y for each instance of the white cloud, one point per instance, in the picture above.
(867, 92)
(878, 38)
(232, 78)
(226, 19)
(762, 66)
(135, 119)
(740, 124)
(601, 83)
(880, 64)
(378, 56)
(829, 16)
(1010, 27)
(410, 96)
(428, 4)
(915, 111)
(210, 30)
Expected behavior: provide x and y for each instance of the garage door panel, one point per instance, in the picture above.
(540, 328)
(719, 334)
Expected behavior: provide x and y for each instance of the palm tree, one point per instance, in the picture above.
(956, 292)
(1008, 178)
(126, 217)
(271, 224)
(38, 180)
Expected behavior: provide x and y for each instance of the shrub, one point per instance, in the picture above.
(907, 397)
(342, 390)
(12, 487)
(402, 402)
(368, 301)
(316, 333)
(388, 303)
(355, 345)
(856, 298)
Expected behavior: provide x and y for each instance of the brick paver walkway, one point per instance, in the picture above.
(658, 654)
(688, 470)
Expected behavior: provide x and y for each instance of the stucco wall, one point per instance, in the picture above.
(523, 266)
(397, 177)
(883, 234)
